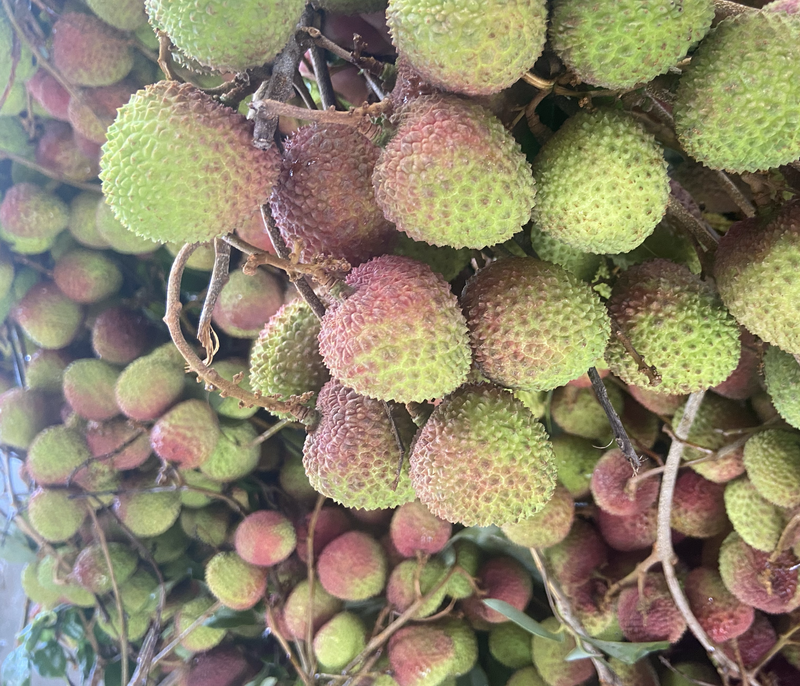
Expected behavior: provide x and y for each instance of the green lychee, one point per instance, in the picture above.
(201, 638)
(31, 218)
(510, 645)
(578, 412)
(89, 388)
(48, 317)
(234, 455)
(339, 640)
(782, 375)
(759, 522)
(549, 658)
(234, 582)
(147, 514)
(247, 302)
(91, 569)
(401, 589)
(547, 527)
(86, 276)
(187, 434)
(772, 461)
(148, 387)
(54, 515)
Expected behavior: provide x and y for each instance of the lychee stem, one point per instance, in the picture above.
(735, 194)
(312, 525)
(620, 435)
(219, 277)
(700, 231)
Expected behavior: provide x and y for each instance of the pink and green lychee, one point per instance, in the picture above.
(468, 560)
(86, 276)
(698, 506)
(31, 218)
(719, 612)
(55, 454)
(575, 459)
(234, 455)
(246, 302)
(612, 486)
(296, 611)
(421, 655)
(89, 388)
(629, 532)
(501, 578)
(48, 317)
(23, 415)
(187, 434)
(548, 526)
(82, 224)
(265, 538)
(45, 370)
(148, 387)
(234, 582)
(772, 461)
(401, 589)
(782, 375)
(414, 529)
(208, 524)
(92, 572)
(652, 614)
(353, 567)
(577, 411)
(147, 514)
(118, 442)
(549, 658)
(229, 407)
(119, 335)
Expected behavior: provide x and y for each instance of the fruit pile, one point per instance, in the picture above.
(401, 344)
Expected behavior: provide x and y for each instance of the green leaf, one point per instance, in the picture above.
(16, 669)
(70, 625)
(629, 653)
(32, 633)
(577, 653)
(492, 540)
(50, 661)
(521, 619)
(15, 548)
(225, 618)
(86, 658)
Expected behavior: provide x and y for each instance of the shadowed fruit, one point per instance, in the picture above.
(399, 335)
(720, 614)
(698, 506)
(247, 302)
(148, 387)
(612, 489)
(401, 589)
(782, 374)
(425, 179)
(31, 218)
(23, 415)
(48, 317)
(295, 612)
(85, 276)
(500, 578)
(119, 442)
(651, 615)
(118, 236)
(91, 569)
(155, 200)
(548, 657)
(352, 567)
(421, 655)
(89, 389)
(119, 335)
(545, 528)
(339, 640)
(235, 583)
(234, 455)
(523, 333)
(351, 455)
(187, 434)
(510, 645)
(201, 638)
(331, 523)
(527, 676)
(629, 532)
(207, 524)
(577, 411)
(265, 538)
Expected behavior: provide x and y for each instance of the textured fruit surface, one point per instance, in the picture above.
(91, 568)
(30, 218)
(48, 317)
(88, 52)
(510, 645)
(352, 455)
(629, 532)
(296, 613)
(500, 578)
(401, 589)
(611, 488)
(285, 359)
(483, 459)
(584, 265)
(96, 109)
(187, 434)
(148, 514)
(148, 386)
(756, 268)
(624, 43)
(115, 235)
(122, 444)
(782, 375)
(742, 124)
(602, 183)
(324, 201)
(89, 388)
(339, 641)
(533, 326)
(716, 608)
(54, 515)
(85, 276)
(443, 259)
(55, 453)
(175, 191)
(677, 323)
(432, 181)
(698, 506)
(421, 655)
(768, 583)
(772, 461)
(125, 15)
(547, 527)
(202, 637)
(475, 48)
(234, 582)
(575, 459)
(414, 528)
(225, 36)
(577, 411)
(758, 521)
(247, 302)
(652, 614)
(527, 676)
(352, 567)
(235, 455)
(265, 538)
(548, 657)
(399, 335)
(23, 414)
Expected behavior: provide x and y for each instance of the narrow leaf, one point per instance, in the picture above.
(577, 653)
(521, 619)
(629, 653)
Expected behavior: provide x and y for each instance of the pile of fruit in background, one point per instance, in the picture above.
(437, 343)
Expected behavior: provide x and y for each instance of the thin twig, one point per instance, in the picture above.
(49, 173)
(165, 56)
(219, 277)
(303, 92)
(620, 435)
(273, 625)
(208, 374)
(311, 578)
(269, 433)
(368, 64)
(112, 575)
(167, 650)
(664, 535)
(735, 194)
(321, 73)
(705, 235)
(652, 374)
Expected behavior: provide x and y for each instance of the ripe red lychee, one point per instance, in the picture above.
(352, 567)
(719, 612)
(501, 578)
(651, 616)
(612, 488)
(414, 529)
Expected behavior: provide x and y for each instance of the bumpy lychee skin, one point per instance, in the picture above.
(247, 302)
(234, 456)
(234, 582)
(401, 589)
(483, 459)
(50, 94)
(510, 645)
(758, 521)
(91, 569)
(659, 403)
(89, 388)
(187, 434)
(716, 608)
(106, 441)
(629, 532)
(331, 523)
(548, 656)
(611, 490)
(207, 524)
(421, 655)
(158, 200)
(58, 150)
(94, 112)
(522, 332)
(651, 616)
(148, 386)
(23, 414)
(708, 102)
(126, 15)
(782, 375)
(470, 49)
(147, 514)
(756, 272)
(324, 200)
(677, 323)
(224, 36)
(770, 585)
(119, 335)
(743, 381)
(31, 217)
(399, 335)
(629, 42)
(295, 612)
(527, 676)
(285, 359)
(88, 52)
(339, 641)
(755, 643)
(116, 235)
(55, 453)
(54, 515)
(772, 461)
(45, 370)
(414, 529)
(698, 506)
(425, 177)
(48, 317)
(203, 637)
(545, 528)
(85, 276)
(578, 412)
(265, 538)
(577, 202)
(501, 578)
(352, 567)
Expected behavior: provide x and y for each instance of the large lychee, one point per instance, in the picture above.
(398, 335)
(782, 375)
(772, 461)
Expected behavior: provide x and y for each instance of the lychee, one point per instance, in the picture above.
(352, 567)
(119, 335)
(719, 612)
(234, 455)
(247, 302)
(652, 614)
(234, 582)
(187, 434)
(89, 388)
(501, 578)
(339, 640)
(54, 515)
(265, 538)
(547, 527)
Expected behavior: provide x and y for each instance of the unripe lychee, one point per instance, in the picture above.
(201, 638)
(414, 529)
(54, 515)
(549, 658)
(577, 411)
(46, 596)
(366, 340)
(85, 276)
(234, 455)
(91, 570)
(295, 612)
(229, 406)
(148, 387)
(651, 615)
(234, 582)
(547, 527)
(187, 434)
(339, 640)
(246, 303)
(31, 217)
(119, 335)
(119, 238)
(207, 524)
(120, 443)
(782, 375)
(352, 567)
(772, 461)
(147, 514)
(45, 370)
(719, 612)
(759, 522)
(527, 676)
(421, 655)
(510, 645)
(265, 538)
(55, 454)
(89, 389)
(48, 317)
(23, 415)
(401, 589)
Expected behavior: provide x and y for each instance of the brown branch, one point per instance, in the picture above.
(311, 578)
(208, 374)
(321, 73)
(303, 92)
(123, 623)
(541, 132)
(165, 56)
(620, 435)
(49, 173)
(702, 232)
(724, 9)
(635, 575)
(219, 277)
(652, 374)
(273, 625)
(735, 194)
(367, 64)
(323, 271)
